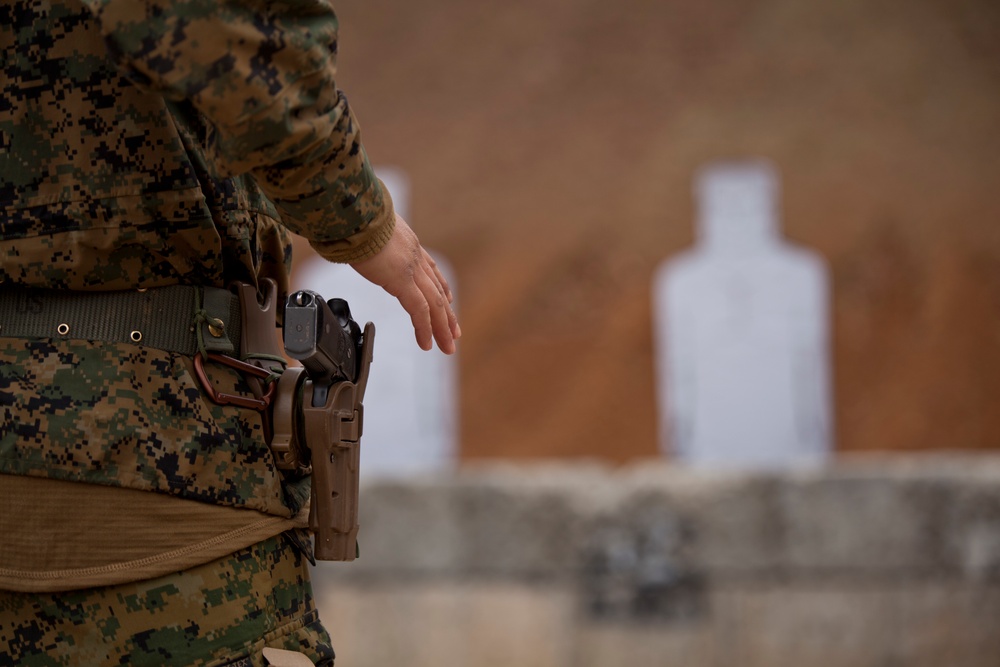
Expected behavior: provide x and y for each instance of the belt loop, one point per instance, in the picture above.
(211, 319)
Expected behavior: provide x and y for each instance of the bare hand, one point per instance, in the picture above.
(406, 271)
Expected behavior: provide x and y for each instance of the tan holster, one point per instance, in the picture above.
(326, 442)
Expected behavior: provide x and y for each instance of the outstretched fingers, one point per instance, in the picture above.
(435, 273)
(436, 318)
(443, 289)
(407, 271)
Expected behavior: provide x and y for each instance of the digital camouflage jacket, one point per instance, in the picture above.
(146, 143)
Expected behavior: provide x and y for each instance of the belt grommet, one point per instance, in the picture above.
(136, 336)
(63, 329)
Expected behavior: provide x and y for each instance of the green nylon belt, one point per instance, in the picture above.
(166, 318)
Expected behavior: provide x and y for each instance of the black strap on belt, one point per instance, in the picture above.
(167, 318)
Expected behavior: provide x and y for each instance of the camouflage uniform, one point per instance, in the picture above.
(220, 613)
(146, 144)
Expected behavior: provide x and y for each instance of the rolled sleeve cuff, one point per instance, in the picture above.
(367, 241)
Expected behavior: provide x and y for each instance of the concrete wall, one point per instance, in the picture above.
(875, 561)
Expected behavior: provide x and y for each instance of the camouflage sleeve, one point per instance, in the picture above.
(262, 74)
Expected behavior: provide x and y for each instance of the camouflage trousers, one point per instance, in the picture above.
(221, 613)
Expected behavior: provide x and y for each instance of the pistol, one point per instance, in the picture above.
(336, 356)
(324, 337)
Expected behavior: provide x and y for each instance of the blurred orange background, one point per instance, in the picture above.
(550, 148)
